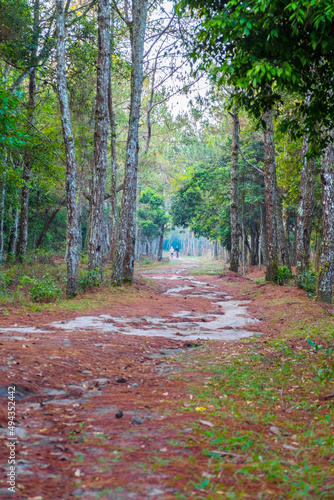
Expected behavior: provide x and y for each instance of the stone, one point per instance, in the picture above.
(137, 420)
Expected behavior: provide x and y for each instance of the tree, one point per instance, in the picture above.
(123, 264)
(95, 250)
(152, 217)
(234, 261)
(71, 167)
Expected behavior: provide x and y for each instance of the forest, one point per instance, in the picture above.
(91, 130)
(150, 145)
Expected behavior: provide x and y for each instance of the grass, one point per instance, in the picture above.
(273, 433)
(210, 268)
(40, 284)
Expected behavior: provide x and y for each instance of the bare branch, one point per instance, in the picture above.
(258, 170)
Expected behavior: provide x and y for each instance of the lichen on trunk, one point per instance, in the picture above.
(326, 269)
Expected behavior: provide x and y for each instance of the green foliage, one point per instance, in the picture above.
(264, 45)
(89, 279)
(308, 281)
(284, 274)
(45, 289)
(11, 134)
(6, 278)
(15, 31)
(152, 216)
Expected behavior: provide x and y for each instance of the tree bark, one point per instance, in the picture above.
(161, 242)
(305, 211)
(234, 262)
(270, 196)
(13, 236)
(283, 244)
(124, 261)
(95, 243)
(71, 168)
(48, 223)
(2, 207)
(113, 201)
(21, 248)
(326, 270)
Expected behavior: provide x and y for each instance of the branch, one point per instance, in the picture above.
(106, 195)
(258, 170)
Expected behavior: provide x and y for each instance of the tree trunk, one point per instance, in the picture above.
(95, 243)
(305, 211)
(13, 236)
(234, 262)
(326, 272)
(2, 208)
(161, 242)
(215, 249)
(260, 238)
(21, 248)
(270, 196)
(71, 168)
(48, 223)
(113, 200)
(124, 261)
(283, 244)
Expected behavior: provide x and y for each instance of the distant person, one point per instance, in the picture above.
(177, 252)
(171, 252)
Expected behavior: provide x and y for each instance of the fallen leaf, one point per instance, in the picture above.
(275, 430)
(206, 422)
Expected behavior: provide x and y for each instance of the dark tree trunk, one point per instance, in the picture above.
(254, 244)
(21, 248)
(283, 243)
(13, 236)
(215, 249)
(161, 242)
(270, 197)
(48, 223)
(234, 262)
(113, 200)
(124, 261)
(326, 270)
(95, 242)
(305, 211)
(71, 169)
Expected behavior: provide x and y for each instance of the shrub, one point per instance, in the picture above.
(284, 274)
(308, 281)
(42, 290)
(89, 279)
(6, 278)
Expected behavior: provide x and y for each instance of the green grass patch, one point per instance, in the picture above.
(273, 428)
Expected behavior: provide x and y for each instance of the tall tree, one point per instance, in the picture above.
(28, 160)
(270, 196)
(71, 167)
(305, 210)
(123, 265)
(95, 249)
(326, 271)
(234, 261)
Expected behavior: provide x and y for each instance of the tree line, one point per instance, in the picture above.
(84, 96)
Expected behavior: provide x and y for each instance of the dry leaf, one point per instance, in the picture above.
(206, 422)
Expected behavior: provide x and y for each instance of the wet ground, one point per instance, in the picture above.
(98, 396)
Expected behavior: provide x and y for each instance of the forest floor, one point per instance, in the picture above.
(222, 385)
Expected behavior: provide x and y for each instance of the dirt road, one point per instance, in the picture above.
(100, 397)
